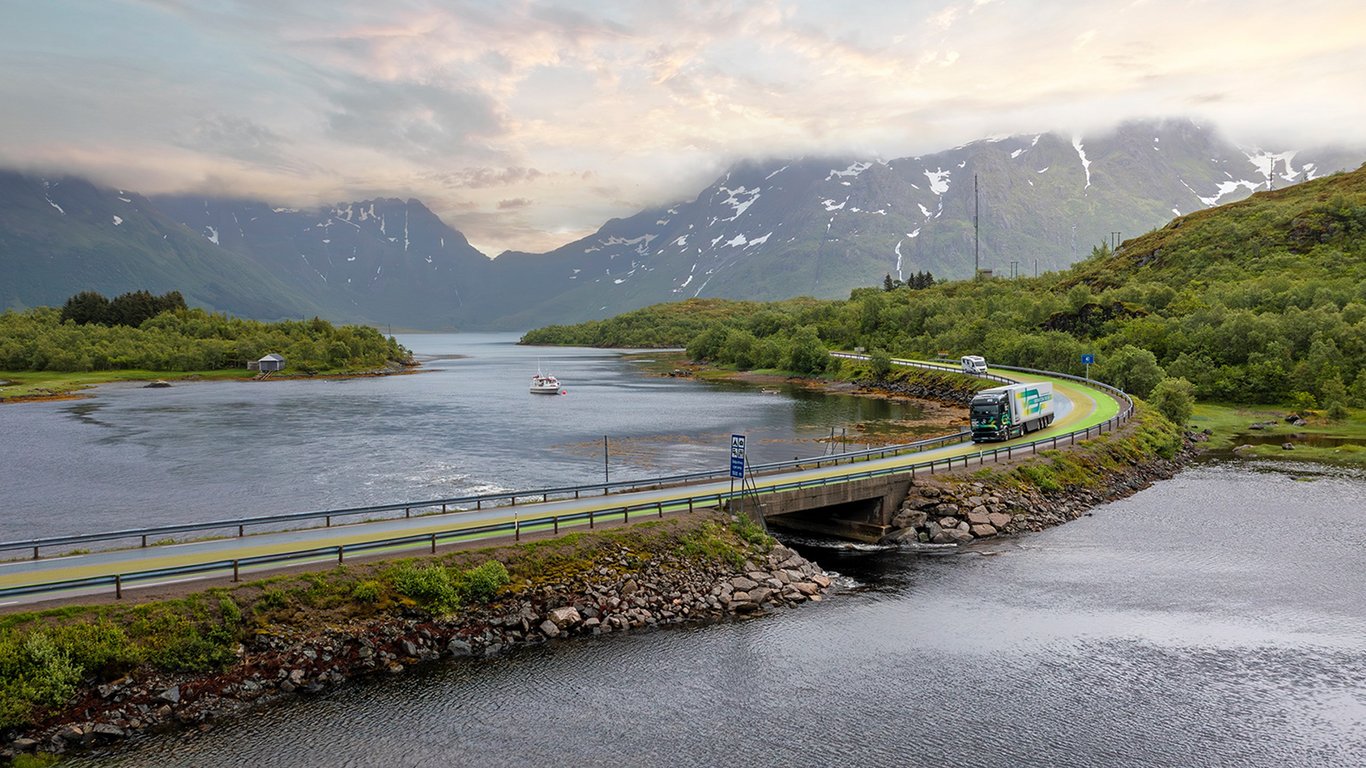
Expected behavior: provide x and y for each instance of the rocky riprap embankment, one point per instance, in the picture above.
(959, 512)
(621, 594)
(943, 389)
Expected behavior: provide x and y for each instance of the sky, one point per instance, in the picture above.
(528, 124)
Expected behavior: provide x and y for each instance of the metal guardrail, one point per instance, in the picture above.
(432, 539)
(461, 503)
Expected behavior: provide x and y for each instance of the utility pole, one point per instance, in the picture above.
(976, 230)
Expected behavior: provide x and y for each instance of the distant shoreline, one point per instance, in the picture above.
(78, 391)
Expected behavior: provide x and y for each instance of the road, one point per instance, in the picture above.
(1077, 407)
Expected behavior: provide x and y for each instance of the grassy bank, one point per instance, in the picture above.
(32, 385)
(50, 659)
(1091, 464)
(1320, 439)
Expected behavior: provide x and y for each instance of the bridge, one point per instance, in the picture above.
(852, 495)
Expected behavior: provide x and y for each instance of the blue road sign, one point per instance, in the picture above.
(1088, 359)
(737, 456)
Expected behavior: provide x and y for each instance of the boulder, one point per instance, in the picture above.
(549, 629)
(979, 516)
(170, 695)
(983, 531)
(458, 647)
(565, 617)
(999, 519)
(743, 584)
(107, 732)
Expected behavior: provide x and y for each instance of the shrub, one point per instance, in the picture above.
(1302, 402)
(750, 531)
(1337, 411)
(881, 363)
(430, 586)
(482, 584)
(232, 614)
(35, 673)
(97, 648)
(366, 592)
(1175, 399)
(271, 599)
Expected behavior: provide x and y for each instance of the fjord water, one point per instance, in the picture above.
(1217, 619)
(131, 457)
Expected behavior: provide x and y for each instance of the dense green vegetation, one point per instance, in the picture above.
(1262, 300)
(133, 308)
(181, 340)
(1093, 463)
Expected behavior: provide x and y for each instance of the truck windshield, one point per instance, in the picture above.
(985, 411)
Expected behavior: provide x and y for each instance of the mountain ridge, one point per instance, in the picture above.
(763, 230)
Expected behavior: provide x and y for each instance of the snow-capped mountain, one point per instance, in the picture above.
(763, 230)
(60, 236)
(382, 261)
(822, 226)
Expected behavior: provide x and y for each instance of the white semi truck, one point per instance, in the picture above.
(1001, 413)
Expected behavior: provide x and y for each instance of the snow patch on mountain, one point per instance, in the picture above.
(1085, 164)
(211, 235)
(118, 220)
(853, 170)
(830, 205)
(736, 199)
(939, 180)
(771, 175)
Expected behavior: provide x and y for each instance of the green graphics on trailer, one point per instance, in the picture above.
(1031, 401)
(1001, 413)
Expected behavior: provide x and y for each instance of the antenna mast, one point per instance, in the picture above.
(976, 230)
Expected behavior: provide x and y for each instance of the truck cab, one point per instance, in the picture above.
(990, 415)
(974, 365)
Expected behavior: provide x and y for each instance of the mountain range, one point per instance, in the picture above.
(764, 230)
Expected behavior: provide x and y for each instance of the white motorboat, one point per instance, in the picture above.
(544, 384)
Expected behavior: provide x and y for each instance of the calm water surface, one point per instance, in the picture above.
(1218, 619)
(132, 457)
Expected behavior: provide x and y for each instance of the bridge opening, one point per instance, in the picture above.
(858, 520)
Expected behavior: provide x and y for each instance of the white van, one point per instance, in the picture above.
(974, 365)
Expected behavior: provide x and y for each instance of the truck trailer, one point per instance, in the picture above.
(1001, 413)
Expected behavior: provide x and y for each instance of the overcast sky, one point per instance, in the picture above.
(528, 124)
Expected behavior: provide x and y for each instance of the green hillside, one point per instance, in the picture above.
(1263, 300)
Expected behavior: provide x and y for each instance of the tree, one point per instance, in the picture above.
(1175, 399)
(806, 353)
(707, 344)
(880, 363)
(86, 307)
(1133, 370)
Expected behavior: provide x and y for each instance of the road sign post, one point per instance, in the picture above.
(1086, 360)
(737, 461)
(737, 456)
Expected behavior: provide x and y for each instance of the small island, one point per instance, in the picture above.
(51, 353)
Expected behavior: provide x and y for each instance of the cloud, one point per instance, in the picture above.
(417, 120)
(588, 109)
(479, 178)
